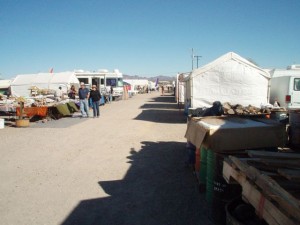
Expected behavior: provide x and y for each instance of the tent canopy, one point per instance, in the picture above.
(22, 83)
(4, 84)
(230, 78)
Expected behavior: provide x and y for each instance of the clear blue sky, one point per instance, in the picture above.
(144, 37)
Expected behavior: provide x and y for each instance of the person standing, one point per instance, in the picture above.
(72, 92)
(58, 94)
(95, 96)
(84, 95)
(162, 90)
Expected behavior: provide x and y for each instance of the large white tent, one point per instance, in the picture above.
(137, 82)
(22, 83)
(230, 78)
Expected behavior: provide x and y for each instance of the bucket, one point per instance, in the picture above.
(210, 170)
(295, 129)
(240, 213)
(197, 163)
(22, 123)
(1, 123)
(278, 115)
(218, 191)
(203, 168)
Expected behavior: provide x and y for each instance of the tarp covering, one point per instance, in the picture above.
(22, 83)
(229, 78)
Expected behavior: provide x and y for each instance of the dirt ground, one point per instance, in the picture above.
(126, 167)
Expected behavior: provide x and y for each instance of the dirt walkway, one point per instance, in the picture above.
(124, 168)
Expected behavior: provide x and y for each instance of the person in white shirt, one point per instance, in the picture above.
(58, 94)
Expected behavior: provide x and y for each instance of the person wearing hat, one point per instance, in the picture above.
(84, 94)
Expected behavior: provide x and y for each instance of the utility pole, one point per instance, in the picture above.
(197, 57)
(192, 58)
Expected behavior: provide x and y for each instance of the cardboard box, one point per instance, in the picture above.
(222, 134)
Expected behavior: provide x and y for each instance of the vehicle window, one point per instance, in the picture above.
(297, 84)
(120, 82)
(84, 80)
(111, 82)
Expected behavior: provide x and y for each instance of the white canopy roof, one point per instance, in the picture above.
(21, 84)
(133, 82)
(5, 83)
(229, 78)
(227, 57)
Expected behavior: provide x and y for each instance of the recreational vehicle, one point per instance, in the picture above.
(105, 80)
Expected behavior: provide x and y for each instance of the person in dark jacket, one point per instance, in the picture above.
(95, 96)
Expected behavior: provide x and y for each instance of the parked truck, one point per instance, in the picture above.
(285, 87)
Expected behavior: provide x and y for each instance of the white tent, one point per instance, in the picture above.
(137, 82)
(180, 87)
(229, 78)
(4, 84)
(22, 83)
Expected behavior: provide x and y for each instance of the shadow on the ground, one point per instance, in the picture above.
(162, 116)
(159, 106)
(165, 98)
(162, 109)
(157, 190)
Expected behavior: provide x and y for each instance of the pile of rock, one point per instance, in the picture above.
(242, 110)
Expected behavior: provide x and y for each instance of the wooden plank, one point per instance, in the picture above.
(290, 174)
(272, 214)
(290, 163)
(274, 155)
(287, 202)
(289, 185)
(261, 166)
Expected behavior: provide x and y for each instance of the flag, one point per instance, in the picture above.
(156, 82)
(51, 70)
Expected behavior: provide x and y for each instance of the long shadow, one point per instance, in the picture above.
(162, 110)
(157, 190)
(162, 116)
(159, 106)
(165, 98)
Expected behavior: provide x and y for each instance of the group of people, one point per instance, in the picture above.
(84, 96)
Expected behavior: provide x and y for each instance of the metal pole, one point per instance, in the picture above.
(197, 56)
(192, 58)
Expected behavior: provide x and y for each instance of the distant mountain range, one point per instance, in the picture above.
(160, 78)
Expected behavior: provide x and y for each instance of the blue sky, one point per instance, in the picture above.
(144, 37)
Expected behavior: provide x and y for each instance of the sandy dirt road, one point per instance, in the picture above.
(125, 167)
